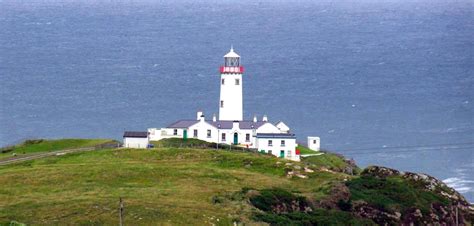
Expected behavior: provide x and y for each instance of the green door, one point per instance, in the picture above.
(185, 134)
(236, 139)
(282, 154)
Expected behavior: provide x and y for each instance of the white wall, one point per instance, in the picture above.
(289, 148)
(268, 128)
(231, 94)
(283, 127)
(202, 128)
(314, 143)
(135, 142)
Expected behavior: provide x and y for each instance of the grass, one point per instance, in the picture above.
(35, 146)
(392, 193)
(305, 151)
(159, 186)
(328, 160)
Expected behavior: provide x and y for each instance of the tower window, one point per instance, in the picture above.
(237, 81)
(223, 81)
(222, 103)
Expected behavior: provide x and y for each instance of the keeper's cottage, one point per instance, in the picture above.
(229, 127)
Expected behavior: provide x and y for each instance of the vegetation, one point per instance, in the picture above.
(305, 151)
(189, 186)
(331, 161)
(392, 193)
(41, 145)
(162, 185)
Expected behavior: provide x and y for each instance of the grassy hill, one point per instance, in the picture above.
(41, 145)
(186, 186)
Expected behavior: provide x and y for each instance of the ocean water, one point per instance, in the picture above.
(384, 82)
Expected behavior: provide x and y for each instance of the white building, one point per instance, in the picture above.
(133, 139)
(231, 128)
(314, 143)
(278, 144)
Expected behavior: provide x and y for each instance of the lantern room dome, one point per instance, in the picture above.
(231, 53)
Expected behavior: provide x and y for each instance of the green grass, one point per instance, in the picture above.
(392, 193)
(159, 186)
(305, 151)
(181, 143)
(35, 146)
(328, 160)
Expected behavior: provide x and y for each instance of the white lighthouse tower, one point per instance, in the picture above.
(231, 104)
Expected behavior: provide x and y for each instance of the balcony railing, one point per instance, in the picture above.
(232, 69)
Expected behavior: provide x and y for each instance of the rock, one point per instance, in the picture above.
(379, 172)
(338, 192)
(301, 176)
(308, 170)
(288, 164)
(364, 210)
(296, 167)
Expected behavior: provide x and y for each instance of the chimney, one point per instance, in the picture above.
(214, 118)
(265, 118)
(198, 115)
(202, 119)
(235, 124)
(254, 118)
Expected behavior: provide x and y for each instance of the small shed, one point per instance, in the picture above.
(135, 139)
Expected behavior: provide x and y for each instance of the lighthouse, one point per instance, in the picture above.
(231, 103)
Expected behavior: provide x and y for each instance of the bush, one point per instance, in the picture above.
(30, 142)
(278, 200)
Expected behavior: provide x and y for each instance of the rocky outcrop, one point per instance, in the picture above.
(438, 213)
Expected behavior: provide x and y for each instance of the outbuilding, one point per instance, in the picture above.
(282, 145)
(135, 139)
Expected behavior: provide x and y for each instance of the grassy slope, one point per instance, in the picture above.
(35, 146)
(328, 160)
(304, 150)
(165, 185)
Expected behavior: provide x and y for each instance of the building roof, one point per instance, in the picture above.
(276, 135)
(242, 124)
(135, 134)
(231, 53)
(183, 124)
(224, 124)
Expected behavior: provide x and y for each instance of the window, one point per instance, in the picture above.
(270, 143)
(288, 153)
(222, 103)
(237, 81)
(222, 81)
(270, 152)
(247, 137)
(195, 133)
(175, 132)
(208, 133)
(223, 137)
(314, 141)
(282, 143)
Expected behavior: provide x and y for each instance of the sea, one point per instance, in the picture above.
(385, 82)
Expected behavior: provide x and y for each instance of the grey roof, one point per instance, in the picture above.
(242, 124)
(183, 124)
(276, 135)
(225, 124)
(135, 134)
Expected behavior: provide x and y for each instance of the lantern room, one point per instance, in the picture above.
(232, 63)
